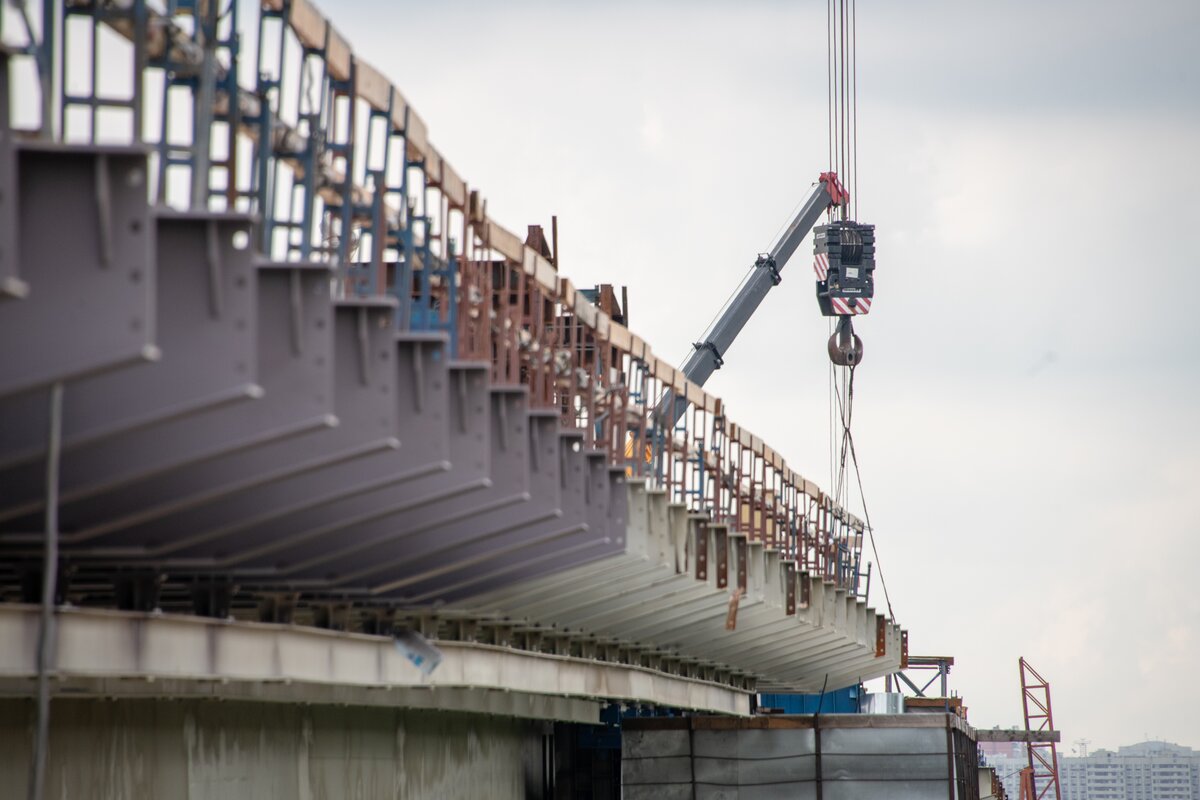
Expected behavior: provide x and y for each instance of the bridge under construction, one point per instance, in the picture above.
(315, 476)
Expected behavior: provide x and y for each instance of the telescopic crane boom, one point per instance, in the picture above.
(709, 354)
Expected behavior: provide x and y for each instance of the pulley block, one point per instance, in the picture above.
(844, 261)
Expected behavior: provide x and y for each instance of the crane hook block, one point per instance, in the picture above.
(844, 260)
(845, 348)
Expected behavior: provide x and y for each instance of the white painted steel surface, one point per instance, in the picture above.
(127, 653)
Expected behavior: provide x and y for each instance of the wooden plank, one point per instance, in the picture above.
(585, 310)
(416, 134)
(768, 455)
(545, 274)
(742, 438)
(433, 166)
(399, 107)
(602, 323)
(305, 21)
(505, 243)
(338, 55)
(620, 337)
(372, 87)
(453, 187)
(942, 702)
(664, 371)
(679, 382)
(477, 207)
(1011, 734)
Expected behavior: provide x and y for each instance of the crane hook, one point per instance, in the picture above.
(845, 348)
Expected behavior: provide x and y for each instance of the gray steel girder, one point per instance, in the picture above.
(205, 307)
(90, 302)
(343, 515)
(602, 536)
(11, 285)
(220, 531)
(294, 342)
(329, 554)
(168, 507)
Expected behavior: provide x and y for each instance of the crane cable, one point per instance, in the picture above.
(847, 410)
(842, 118)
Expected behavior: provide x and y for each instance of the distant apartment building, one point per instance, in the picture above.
(1008, 758)
(1145, 771)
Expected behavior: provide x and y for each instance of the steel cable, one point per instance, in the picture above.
(45, 645)
(849, 439)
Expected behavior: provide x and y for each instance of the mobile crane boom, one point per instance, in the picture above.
(708, 355)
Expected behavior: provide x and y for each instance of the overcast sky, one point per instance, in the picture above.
(1026, 415)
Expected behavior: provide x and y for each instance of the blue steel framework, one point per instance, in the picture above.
(338, 167)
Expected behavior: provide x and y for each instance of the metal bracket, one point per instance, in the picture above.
(731, 614)
(212, 251)
(502, 417)
(462, 401)
(296, 299)
(742, 557)
(418, 371)
(838, 196)
(104, 209)
(766, 262)
(535, 446)
(722, 544)
(789, 590)
(712, 348)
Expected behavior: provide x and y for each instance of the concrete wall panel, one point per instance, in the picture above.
(208, 750)
(864, 757)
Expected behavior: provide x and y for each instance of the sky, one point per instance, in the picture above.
(1026, 415)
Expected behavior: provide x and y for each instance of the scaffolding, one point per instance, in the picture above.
(1040, 779)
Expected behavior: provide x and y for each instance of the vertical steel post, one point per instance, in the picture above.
(45, 651)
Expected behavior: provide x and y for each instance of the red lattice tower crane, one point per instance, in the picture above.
(1041, 775)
